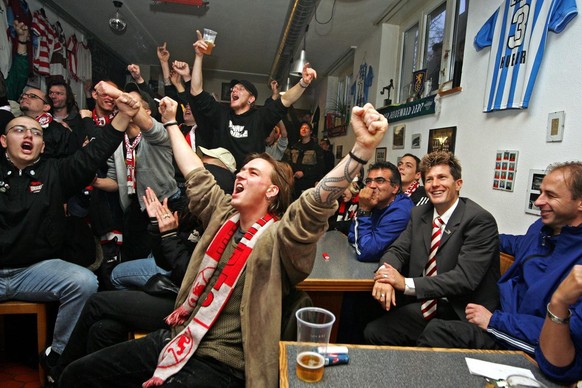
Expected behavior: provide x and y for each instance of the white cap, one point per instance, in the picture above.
(221, 154)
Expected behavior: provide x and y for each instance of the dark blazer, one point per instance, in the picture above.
(467, 259)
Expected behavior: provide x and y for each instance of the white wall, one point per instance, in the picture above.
(479, 135)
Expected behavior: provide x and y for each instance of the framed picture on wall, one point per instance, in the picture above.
(225, 91)
(415, 140)
(505, 169)
(442, 139)
(398, 137)
(533, 190)
(381, 154)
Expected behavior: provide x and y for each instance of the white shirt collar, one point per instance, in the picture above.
(446, 216)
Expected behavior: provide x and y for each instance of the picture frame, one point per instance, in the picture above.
(555, 128)
(398, 137)
(442, 139)
(505, 170)
(225, 91)
(533, 190)
(339, 150)
(415, 143)
(381, 154)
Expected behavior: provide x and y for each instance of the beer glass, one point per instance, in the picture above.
(313, 329)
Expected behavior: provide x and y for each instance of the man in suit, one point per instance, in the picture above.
(543, 258)
(465, 266)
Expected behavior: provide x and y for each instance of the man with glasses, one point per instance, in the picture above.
(383, 213)
(447, 257)
(33, 190)
(35, 104)
(239, 128)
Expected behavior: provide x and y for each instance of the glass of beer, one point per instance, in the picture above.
(313, 330)
(209, 38)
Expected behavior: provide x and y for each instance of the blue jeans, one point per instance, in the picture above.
(47, 281)
(134, 274)
(131, 363)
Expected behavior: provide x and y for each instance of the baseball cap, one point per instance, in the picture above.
(248, 86)
(221, 154)
(133, 87)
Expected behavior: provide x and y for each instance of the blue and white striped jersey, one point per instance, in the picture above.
(517, 34)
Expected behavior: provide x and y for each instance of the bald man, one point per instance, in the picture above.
(33, 190)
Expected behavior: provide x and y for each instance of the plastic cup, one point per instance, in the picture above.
(209, 37)
(313, 330)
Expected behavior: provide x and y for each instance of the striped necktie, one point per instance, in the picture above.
(429, 306)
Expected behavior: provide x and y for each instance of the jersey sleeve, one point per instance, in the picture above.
(565, 11)
(484, 37)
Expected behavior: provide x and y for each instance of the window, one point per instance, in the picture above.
(433, 48)
(409, 60)
(458, 49)
(442, 46)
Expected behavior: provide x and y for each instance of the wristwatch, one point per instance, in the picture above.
(364, 213)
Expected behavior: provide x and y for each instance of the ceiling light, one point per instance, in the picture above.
(196, 3)
(117, 23)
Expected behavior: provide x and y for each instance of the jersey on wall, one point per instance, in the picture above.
(517, 34)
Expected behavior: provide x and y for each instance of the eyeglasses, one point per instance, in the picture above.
(56, 93)
(33, 96)
(21, 130)
(379, 181)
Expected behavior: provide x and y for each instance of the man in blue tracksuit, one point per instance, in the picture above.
(383, 212)
(543, 258)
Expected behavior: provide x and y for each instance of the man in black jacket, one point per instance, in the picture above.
(33, 190)
(35, 104)
(240, 128)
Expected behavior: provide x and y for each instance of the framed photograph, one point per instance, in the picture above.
(339, 151)
(415, 140)
(381, 154)
(533, 190)
(225, 91)
(398, 138)
(555, 129)
(442, 139)
(505, 170)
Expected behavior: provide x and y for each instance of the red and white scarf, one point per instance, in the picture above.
(412, 188)
(44, 119)
(102, 121)
(130, 162)
(178, 351)
(190, 136)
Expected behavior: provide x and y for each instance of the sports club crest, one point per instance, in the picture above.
(418, 78)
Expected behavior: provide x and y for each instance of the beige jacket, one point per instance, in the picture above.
(282, 257)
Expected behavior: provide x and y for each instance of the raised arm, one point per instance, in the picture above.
(186, 158)
(197, 85)
(164, 58)
(293, 94)
(135, 72)
(142, 118)
(369, 127)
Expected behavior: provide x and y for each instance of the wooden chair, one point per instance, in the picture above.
(505, 261)
(15, 307)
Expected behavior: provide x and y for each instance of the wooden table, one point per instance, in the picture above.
(342, 273)
(402, 367)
